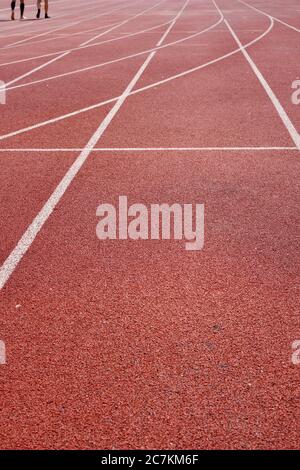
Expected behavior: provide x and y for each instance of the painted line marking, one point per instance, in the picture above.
(122, 23)
(62, 13)
(32, 231)
(150, 149)
(120, 59)
(270, 16)
(79, 48)
(139, 90)
(69, 25)
(42, 66)
(275, 101)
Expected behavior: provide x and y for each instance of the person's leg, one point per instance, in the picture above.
(46, 9)
(22, 8)
(13, 6)
(38, 8)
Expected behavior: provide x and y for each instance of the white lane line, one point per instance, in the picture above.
(10, 46)
(120, 59)
(32, 231)
(121, 24)
(51, 54)
(275, 101)
(148, 149)
(62, 13)
(270, 16)
(9, 88)
(40, 67)
(74, 49)
(68, 25)
(118, 38)
(58, 35)
(139, 90)
(32, 71)
(67, 36)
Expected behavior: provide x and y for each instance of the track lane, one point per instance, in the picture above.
(192, 339)
(141, 90)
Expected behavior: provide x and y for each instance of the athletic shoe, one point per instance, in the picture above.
(47, 17)
(38, 14)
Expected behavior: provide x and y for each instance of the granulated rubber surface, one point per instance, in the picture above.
(123, 344)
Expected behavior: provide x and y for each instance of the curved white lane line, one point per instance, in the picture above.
(139, 90)
(21, 42)
(44, 33)
(86, 18)
(119, 38)
(70, 35)
(42, 66)
(128, 20)
(270, 16)
(293, 132)
(61, 36)
(89, 17)
(30, 234)
(51, 54)
(211, 62)
(61, 14)
(28, 40)
(121, 59)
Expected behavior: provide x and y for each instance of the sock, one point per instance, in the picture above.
(13, 5)
(22, 8)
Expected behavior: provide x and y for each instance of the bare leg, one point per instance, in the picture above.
(22, 8)
(38, 8)
(46, 8)
(13, 6)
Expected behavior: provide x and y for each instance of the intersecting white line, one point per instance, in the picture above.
(32, 231)
(31, 23)
(55, 59)
(147, 149)
(83, 20)
(270, 16)
(113, 61)
(121, 24)
(136, 91)
(294, 134)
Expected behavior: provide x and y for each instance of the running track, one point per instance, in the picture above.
(132, 345)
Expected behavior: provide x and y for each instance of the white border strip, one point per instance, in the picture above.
(148, 149)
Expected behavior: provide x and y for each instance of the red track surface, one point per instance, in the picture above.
(142, 344)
